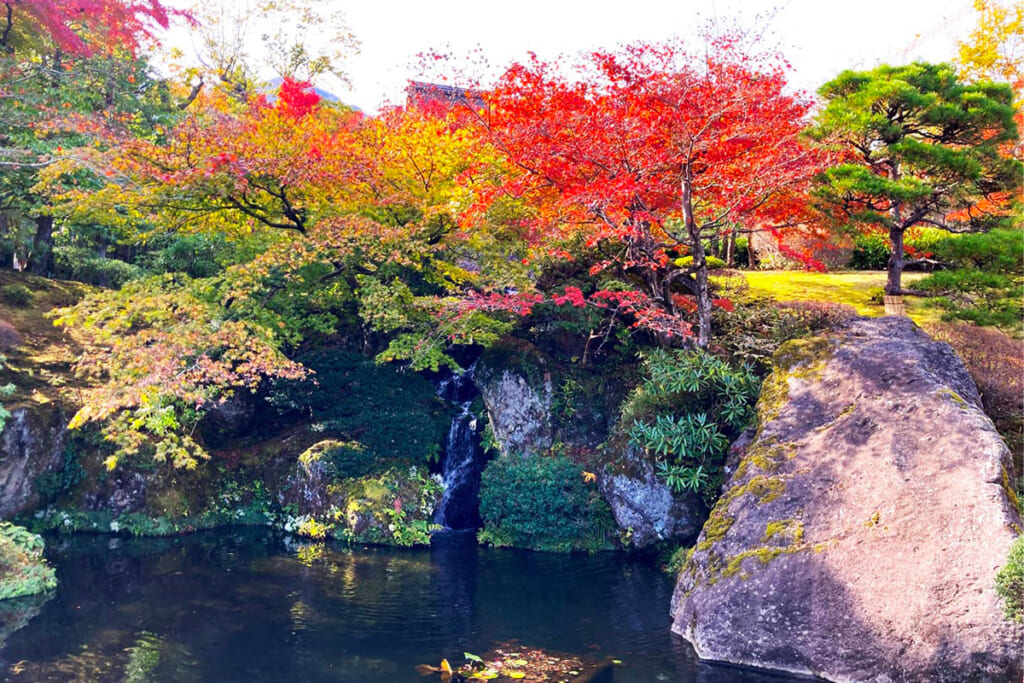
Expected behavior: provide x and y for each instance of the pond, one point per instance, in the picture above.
(253, 605)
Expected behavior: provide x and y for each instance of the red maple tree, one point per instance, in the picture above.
(83, 27)
(649, 151)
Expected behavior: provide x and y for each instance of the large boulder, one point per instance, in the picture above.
(515, 385)
(860, 536)
(31, 444)
(644, 507)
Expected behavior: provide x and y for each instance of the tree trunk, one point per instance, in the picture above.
(751, 254)
(730, 249)
(895, 266)
(700, 264)
(41, 262)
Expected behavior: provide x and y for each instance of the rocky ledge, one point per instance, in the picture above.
(859, 538)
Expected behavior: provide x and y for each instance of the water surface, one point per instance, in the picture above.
(252, 605)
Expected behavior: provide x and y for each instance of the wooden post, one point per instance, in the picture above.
(894, 305)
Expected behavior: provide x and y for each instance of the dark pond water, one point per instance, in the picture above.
(249, 605)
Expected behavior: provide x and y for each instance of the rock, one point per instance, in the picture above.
(517, 396)
(230, 419)
(31, 443)
(860, 537)
(644, 507)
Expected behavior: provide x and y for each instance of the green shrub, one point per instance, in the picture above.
(977, 296)
(1010, 582)
(53, 484)
(393, 413)
(713, 262)
(685, 413)
(23, 571)
(543, 503)
(82, 264)
(17, 295)
(870, 252)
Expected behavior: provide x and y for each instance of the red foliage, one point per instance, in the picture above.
(83, 27)
(296, 99)
(653, 149)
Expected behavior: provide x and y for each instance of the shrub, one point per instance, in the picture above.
(83, 265)
(17, 295)
(392, 413)
(758, 326)
(23, 571)
(543, 503)
(685, 413)
(1010, 582)
(870, 252)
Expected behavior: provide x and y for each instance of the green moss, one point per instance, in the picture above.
(715, 528)
(802, 358)
(788, 530)
(957, 398)
(764, 554)
(1010, 493)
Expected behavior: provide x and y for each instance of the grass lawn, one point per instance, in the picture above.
(852, 288)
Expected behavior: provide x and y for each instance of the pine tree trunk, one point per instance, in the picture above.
(895, 265)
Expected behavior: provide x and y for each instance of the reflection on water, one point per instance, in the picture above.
(247, 605)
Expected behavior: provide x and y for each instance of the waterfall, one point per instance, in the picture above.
(463, 456)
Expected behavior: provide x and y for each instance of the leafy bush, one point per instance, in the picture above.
(392, 413)
(51, 485)
(543, 503)
(1010, 582)
(17, 295)
(871, 250)
(82, 264)
(757, 326)
(987, 299)
(23, 571)
(691, 405)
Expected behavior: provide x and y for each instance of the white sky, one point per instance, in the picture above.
(820, 38)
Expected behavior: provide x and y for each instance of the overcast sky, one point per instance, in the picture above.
(820, 38)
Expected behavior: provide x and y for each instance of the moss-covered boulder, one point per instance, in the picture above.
(325, 497)
(860, 536)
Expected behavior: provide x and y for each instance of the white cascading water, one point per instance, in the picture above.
(463, 456)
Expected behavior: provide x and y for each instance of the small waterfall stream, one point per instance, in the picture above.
(463, 459)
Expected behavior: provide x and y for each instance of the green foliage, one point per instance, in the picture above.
(82, 264)
(1010, 582)
(23, 571)
(16, 295)
(871, 249)
(998, 251)
(51, 485)
(926, 145)
(713, 262)
(542, 503)
(685, 413)
(390, 411)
